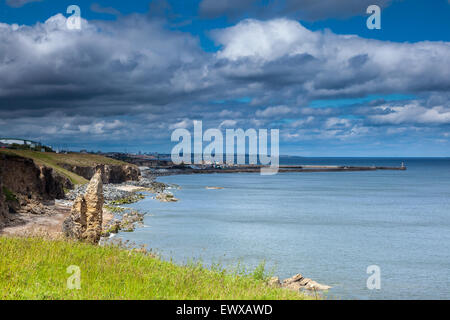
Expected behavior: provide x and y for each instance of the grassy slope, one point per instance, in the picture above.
(36, 269)
(53, 160)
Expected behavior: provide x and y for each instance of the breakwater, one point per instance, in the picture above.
(282, 168)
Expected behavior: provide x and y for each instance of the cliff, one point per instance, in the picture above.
(23, 181)
(4, 215)
(23, 176)
(29, 178)
(80, 168)
(111, 173)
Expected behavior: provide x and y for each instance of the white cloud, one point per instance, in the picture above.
(274, 111)
(183, 124)
(228, 124)
(265, 40)
(324, 64)
(59, 83)
(413, 113)
(337, 123)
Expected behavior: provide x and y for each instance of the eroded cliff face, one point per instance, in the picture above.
(4, 215)
(110, 173)
(24, 183)
(23, 177)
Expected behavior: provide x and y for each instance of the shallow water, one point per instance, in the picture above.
(329, 226)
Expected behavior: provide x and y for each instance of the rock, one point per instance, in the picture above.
(129, 220)
(166, 197)
(34, 207)
(312, 285)
(75, 226)
(274, 282)
(298, 282)
(85, 221)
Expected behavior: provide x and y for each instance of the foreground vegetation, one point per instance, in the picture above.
(55, 160)
(33, 268)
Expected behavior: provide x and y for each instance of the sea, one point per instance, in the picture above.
(368, 234)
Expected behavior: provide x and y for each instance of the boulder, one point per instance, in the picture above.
(298, 282)
(274, 282)
(85, 220)
(166, 197)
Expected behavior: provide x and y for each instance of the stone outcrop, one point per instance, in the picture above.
(166, 197)
(298, 282)
(110, 173)
(274, 282)
(85, 220)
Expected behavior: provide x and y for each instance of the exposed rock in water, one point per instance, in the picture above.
(127, 223)
(166, 197)
(110, 173)
(298, 282)
(85, 220)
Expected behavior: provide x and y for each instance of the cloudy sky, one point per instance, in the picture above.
(137, 70)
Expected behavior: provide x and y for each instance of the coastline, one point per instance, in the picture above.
(35, 236)
(297, 283)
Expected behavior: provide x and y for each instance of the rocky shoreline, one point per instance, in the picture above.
(124, 219)
(105, 216)
(38, 216)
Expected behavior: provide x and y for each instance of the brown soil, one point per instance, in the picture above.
(48, 225)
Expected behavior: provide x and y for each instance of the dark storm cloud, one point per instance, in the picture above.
(301, 9)
(117, 62)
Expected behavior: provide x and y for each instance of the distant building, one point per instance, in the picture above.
(10, 141)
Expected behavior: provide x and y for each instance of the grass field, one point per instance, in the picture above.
(33, 268)
(54, 160)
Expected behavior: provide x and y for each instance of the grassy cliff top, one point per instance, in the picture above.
(54, 160)
(34, 268)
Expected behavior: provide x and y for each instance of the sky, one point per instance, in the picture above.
(138, 70)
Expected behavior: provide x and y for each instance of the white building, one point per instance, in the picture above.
(8, 141)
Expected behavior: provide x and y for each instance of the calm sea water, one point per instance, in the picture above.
(328, 226)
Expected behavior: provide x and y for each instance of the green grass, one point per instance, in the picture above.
(54, 160)
(33, 268)
(9, 195)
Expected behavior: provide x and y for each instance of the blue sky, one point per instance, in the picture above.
(139, 69)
